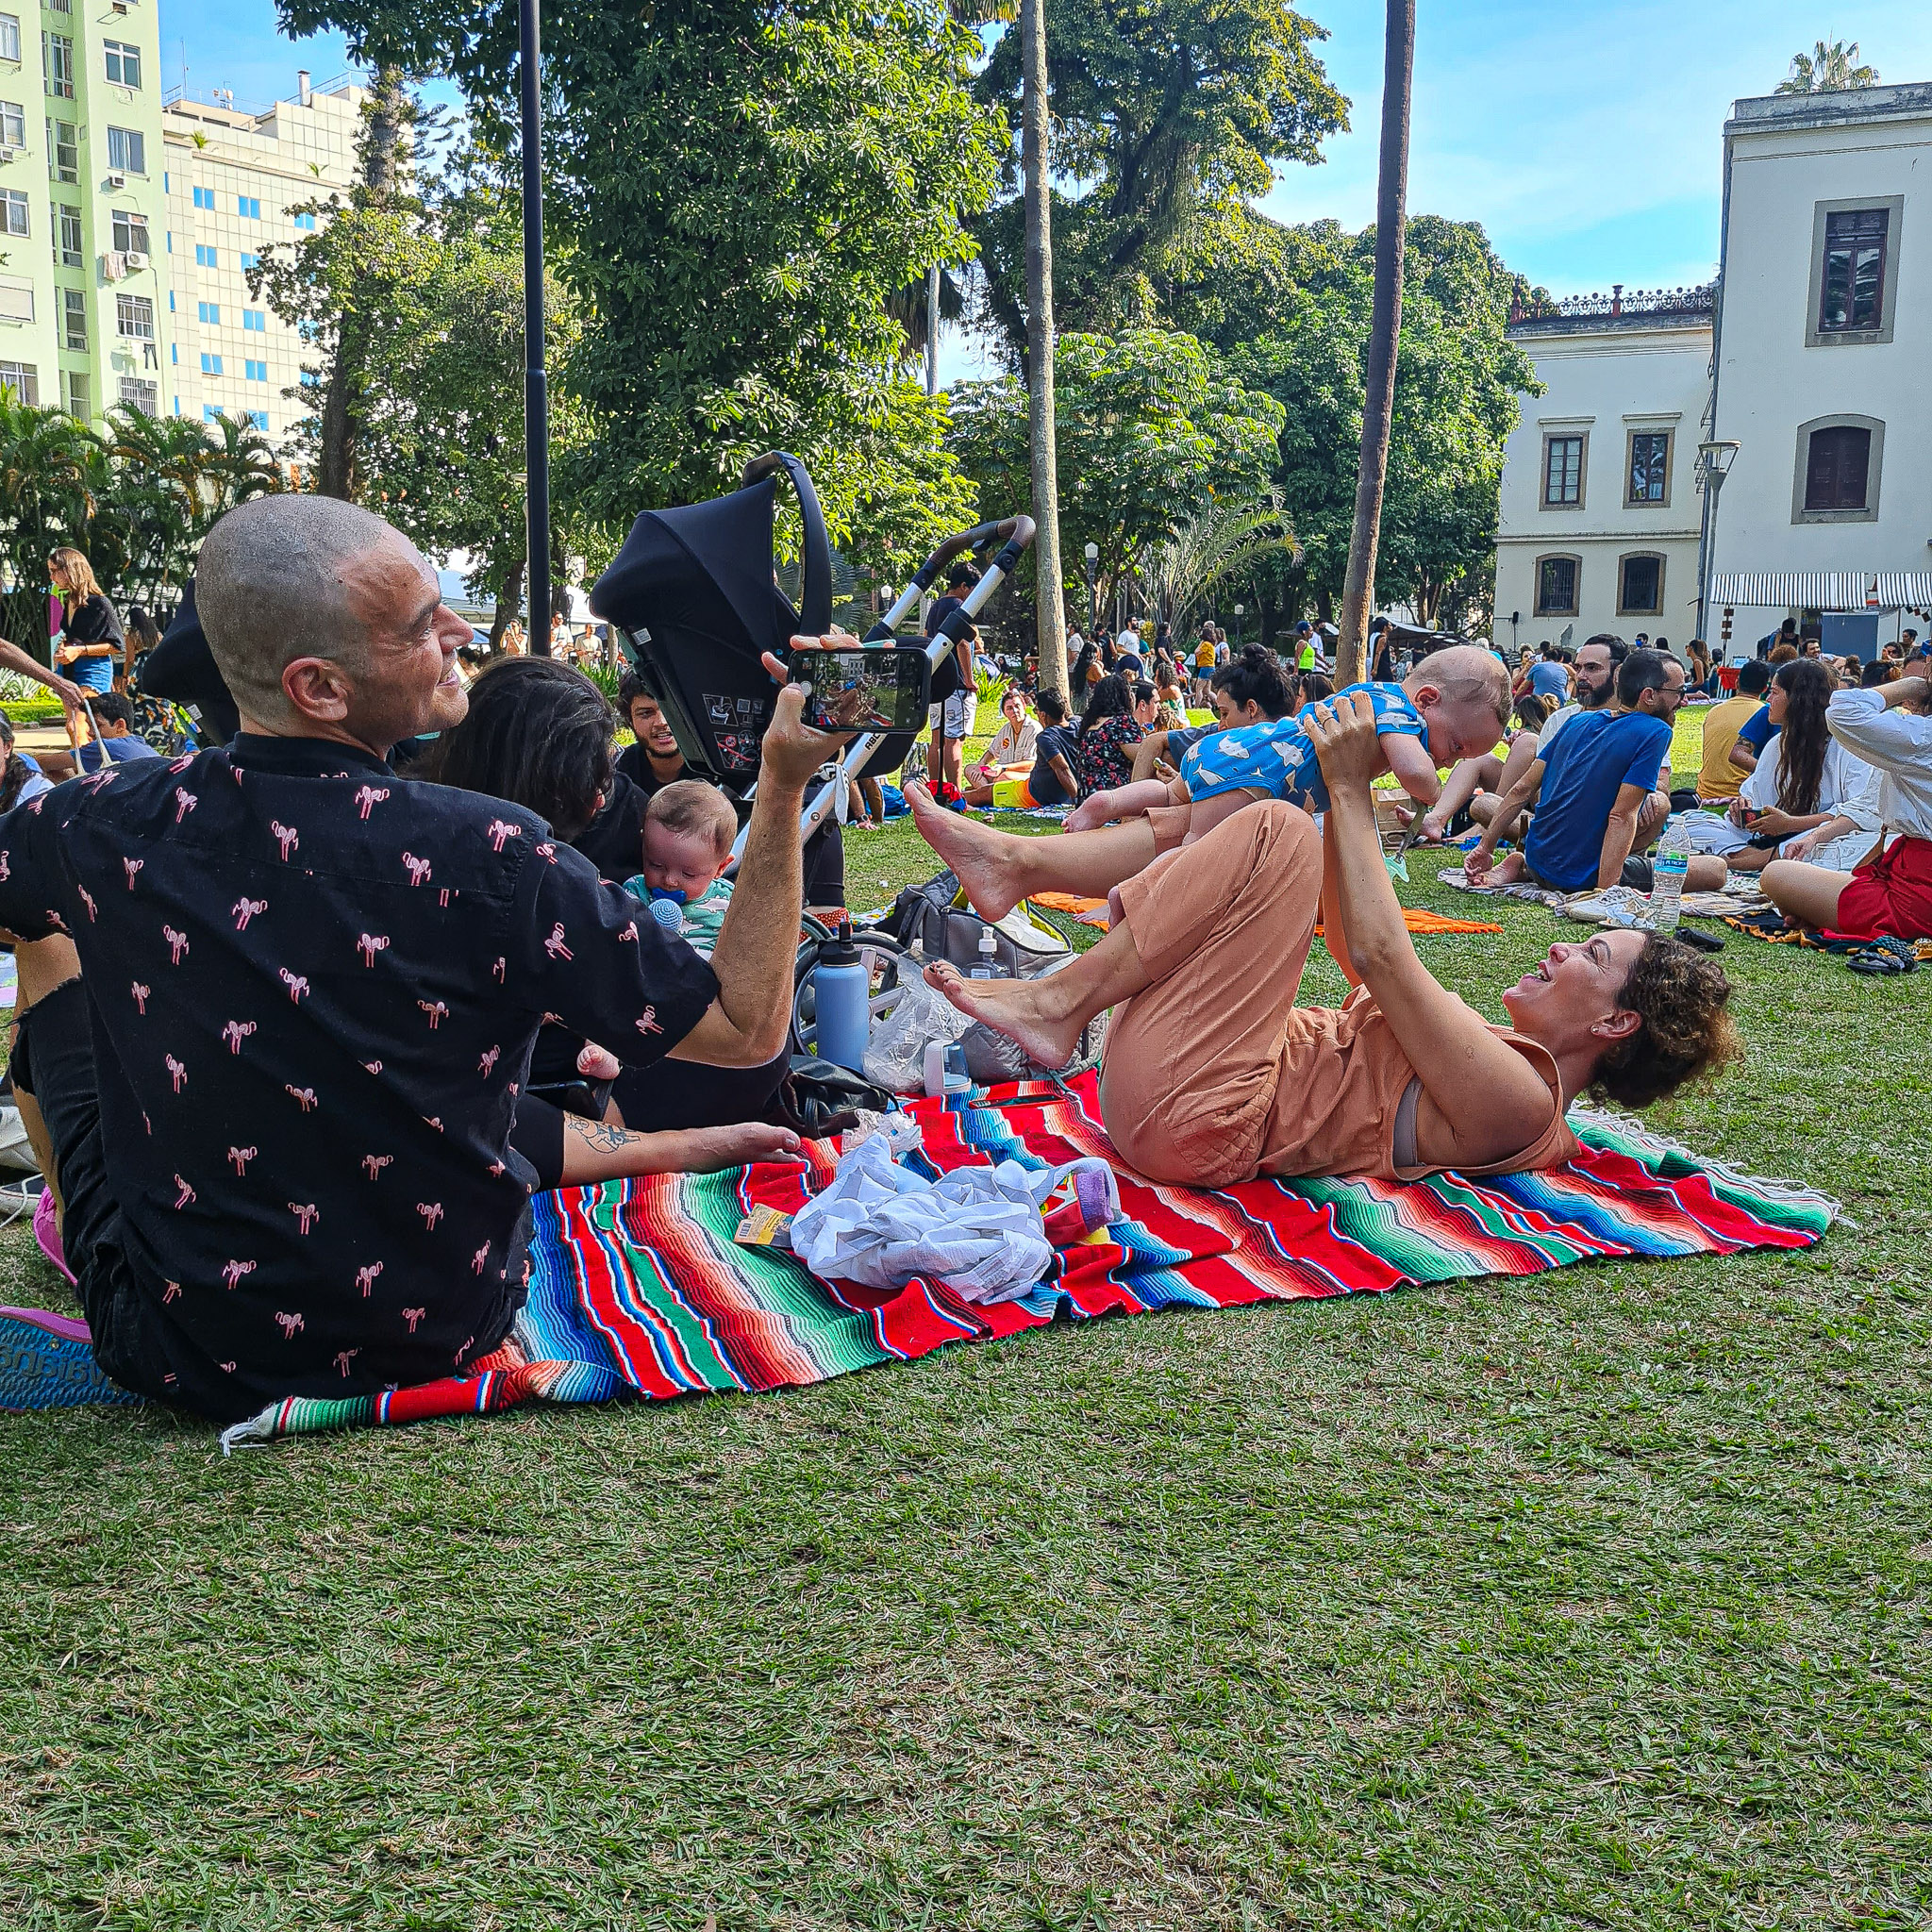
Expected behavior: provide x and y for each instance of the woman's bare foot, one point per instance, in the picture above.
(1033, 1013)
(977, 854)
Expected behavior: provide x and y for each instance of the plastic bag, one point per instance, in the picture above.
(895, 1053)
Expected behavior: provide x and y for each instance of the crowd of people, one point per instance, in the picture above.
(306, 1017)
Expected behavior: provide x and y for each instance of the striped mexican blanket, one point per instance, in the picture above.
(640, 1290)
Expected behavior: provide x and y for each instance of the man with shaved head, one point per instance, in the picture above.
(276, 1004)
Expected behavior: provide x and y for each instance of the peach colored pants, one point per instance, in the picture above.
(1193, 1063)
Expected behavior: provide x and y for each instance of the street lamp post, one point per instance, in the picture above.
(1714, 460)
(1093, 596)
(535, 377)
(1238, 609)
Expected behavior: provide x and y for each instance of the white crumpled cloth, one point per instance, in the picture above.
(978, 1229)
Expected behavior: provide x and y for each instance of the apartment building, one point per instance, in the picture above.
(236, 179)
(83, 282)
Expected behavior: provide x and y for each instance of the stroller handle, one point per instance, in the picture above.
(815, 555)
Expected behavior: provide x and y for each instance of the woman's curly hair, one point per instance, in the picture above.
(1680, 994)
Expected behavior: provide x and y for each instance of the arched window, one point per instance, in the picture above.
(1837, 472)
(1641, 584)
(1557, 579)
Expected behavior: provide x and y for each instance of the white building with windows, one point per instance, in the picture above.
(1812, 354)
(236, 180)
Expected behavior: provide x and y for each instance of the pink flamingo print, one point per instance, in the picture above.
(173, 1292)
(185, 1196)
(139, 992)
(487, 1065)
(87, 899)
(436, 1009)
(499, 831)
(468, 1342)
(236, 1031)
(366, 1277)
(295, 983)
(418, 869)
(131, 866)
(185, 802)
(547, 852)
(412, 1316)
(555, 946)
(371, 1066)
(291, 1325)
(179, 765)
(52, 917)
(498, 1170)
(443, 895)
(244, 908)
(647, 1022)
(373, 1164)
(177, 1072)
(105, 776)
(370, 944)
(307, 1217)
(478, 1258)
(630, 932)
(496, 971)
(368, 797)
(239, 1157)
(178, 945)
(431, 1212)
(304, 1097)
(342, 1357)
(232, 1272)
(7, 863)
(433, 1120)
(286, 835)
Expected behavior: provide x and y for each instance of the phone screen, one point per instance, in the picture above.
(863, 690)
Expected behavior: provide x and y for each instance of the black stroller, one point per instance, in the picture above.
(694, 599)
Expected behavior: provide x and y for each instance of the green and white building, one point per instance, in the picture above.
(83, 272)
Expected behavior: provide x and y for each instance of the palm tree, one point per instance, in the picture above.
(1223, 541)
(1385, 331)
(55, 485)
(1828, 69)
(1035, 165)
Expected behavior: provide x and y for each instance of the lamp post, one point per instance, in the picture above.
(1238, 609)
(535, 378)
(1714, 460)
(1093, 601)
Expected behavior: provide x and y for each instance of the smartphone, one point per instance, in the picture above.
(878, 690)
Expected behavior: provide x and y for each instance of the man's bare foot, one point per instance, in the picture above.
(1033, 1013)
(977, 854)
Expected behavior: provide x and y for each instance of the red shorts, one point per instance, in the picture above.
(1890, 893)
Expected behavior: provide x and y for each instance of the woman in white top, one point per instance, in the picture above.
(1808, 797)
(1013, 743)
(1890, 890)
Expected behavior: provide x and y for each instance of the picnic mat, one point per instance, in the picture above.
(1418, 918)
(638, 1288)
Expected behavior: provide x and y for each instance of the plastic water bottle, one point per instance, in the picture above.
(670, 915)
(987, 966)
(1667, 874)
(841, 990)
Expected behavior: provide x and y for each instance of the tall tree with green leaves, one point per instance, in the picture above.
(740, 188)
(1831, 67)
(1169, 115)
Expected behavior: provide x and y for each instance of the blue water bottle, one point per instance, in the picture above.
(841, 987)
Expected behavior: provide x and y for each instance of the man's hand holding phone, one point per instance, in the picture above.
(791, 750)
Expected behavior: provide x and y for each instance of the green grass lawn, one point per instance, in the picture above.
(1595, 1599)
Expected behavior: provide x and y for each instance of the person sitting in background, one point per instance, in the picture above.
(1110, 730)
(1478, 785)
(143, 638)
(1890, 889)
(1881, 671)
(1011, 744)
(689, 832)
(1784, 651)
(1719, 775)
(1603, 781)
(1549, 678)
(1253, 690)
(1700, 673)
(1805, 784)
(1054, 778)
(117, 743)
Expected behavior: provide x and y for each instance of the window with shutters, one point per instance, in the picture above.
(144, 396)
(1640, 585)
(1563, 471)
(1837, 469)
(1852, 284)
(1556, 580)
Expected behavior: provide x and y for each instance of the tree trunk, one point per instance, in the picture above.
(1378, 402)
(1051, 627)
(508, 601)
(382, 137)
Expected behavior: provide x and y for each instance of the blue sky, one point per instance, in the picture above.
(1586, 138)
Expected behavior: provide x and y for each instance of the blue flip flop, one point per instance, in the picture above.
(47, 1361)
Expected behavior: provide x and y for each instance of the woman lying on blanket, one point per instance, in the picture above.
(1402, 1080)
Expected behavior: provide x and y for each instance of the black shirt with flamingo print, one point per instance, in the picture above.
(313, 988)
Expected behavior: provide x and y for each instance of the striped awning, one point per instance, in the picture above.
(1823, 589)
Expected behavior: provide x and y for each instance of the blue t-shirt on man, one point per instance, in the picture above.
(1548, 679)
(1757, 730)
(120, 751)
(1597, 755)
